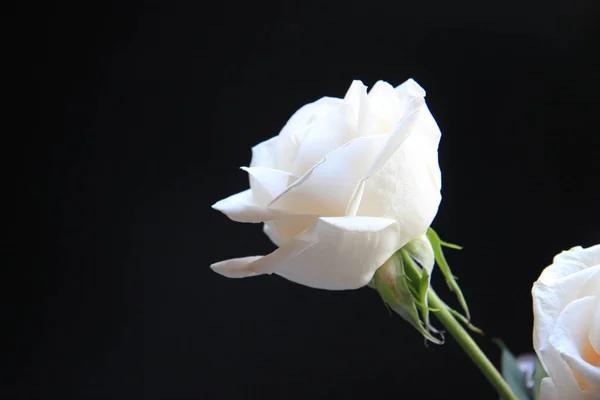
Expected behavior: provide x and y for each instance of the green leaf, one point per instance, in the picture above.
(538, 375)
(436, 244)
(511, 372)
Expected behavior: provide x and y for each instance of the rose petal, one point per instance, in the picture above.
(241, 207)
(552, 295)
(244, 267)
(594, 334)
(569, 262)
(272, 234)
(366, 118)
(328, 187)
(409, 91)
(335, 254)
(563, 378)
(236, 267)
(285, 229)
(570, 339)
(264, 154)
(292, 134)
(406, 180)
(412, 123)
(386, 106)
(548, 391)
(346, 253)
(267, 183)
(323, 136)
(354, 96)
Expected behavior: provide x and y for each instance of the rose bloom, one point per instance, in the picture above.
(345, 184)
(566, 332)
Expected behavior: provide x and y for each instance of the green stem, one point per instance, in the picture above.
(470, 347)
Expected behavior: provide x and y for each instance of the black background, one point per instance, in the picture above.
(142, 112)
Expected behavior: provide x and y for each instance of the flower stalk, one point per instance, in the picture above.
(446, 316)
(470, 347)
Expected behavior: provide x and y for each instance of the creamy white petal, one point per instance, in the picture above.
(237, 267)
(346, 252)
(410, 90)
(244, 267)
(327, 188)
(366, 118)
(591, 282)
(407, 187)
(264, 154)
(326, 134)
(267, 183)
(272, 235)
(283, 230)
(569, 262)
(594, 334)
(551, 296)
(570, 339)
(411, 123)
(548, 391)
(562, 376)
(386, 106)
(292, 134)
(354, 96)
(241, 207)
(335, 254)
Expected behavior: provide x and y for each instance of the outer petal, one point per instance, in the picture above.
(328, 187)
(569, 262)
(355, 95)
(282, 230)
(386, 106)
(571, 339)
(594, 337)
(241, 207)
(267, 183)
(562, 376)
(409, 91)
(236, 267)
(548, 391)
(406, 186)
(335, 254)
(264, 154)
(555, 290)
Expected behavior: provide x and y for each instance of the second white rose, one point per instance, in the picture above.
(566, 333)
(345, 184)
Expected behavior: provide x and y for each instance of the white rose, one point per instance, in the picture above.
(345, 184)
(566, 332)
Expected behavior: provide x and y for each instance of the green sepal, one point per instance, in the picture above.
(421, 291)
(465, 321)
(391, 281)
(451, 245)
(436, 244)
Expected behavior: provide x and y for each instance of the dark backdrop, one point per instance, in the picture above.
(142, 112)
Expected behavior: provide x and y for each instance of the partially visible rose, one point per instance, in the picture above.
(345, 184)
(566, 332)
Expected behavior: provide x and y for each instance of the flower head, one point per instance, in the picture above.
(566, 332)
(345, 184)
